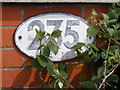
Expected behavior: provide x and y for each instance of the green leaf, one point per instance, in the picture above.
(114, 47)
(113, 78)
(94, 13)
(55, 84)
(35, 64)
(41, 34)
(48, 34)
(88, 59)
(100, 71)
(105, 16)
(110, 31)
(36, 31)
(56, 33)
(50, 67)
(37, 37)
(53, 48)
(62, 67)
(53, 41)
(60, 84)
(93, 46)
(40, 46)
(96, 79)
(42, 60)
(46, 51)
(92, 31)
(63, 73)
(103, 54)
(56, 76)
(110, 52)
(111, 21)
(117, 26)
(87, 84)
(79, 45)
(116, 34)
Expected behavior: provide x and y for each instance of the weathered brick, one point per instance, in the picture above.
(20, 77)
(7, 37)
(11, 58)
(11, 16)
(98, 9)
(31, 11)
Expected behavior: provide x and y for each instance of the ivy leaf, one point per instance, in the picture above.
(94, 13)
(42, 60)
(36, 64)
(100, 71)
(56, 33)
(87, 84)
(53, 48)
(93, 46)
(105, 16)
(92, 31)
(110, 31)
(110, 52)
(53, 41)
(50, 67)
(103, 54)
(116, 34)
(46, 51)
(79, 45)
(111, 21)
(117, 26)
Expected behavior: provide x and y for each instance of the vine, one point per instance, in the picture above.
(107, 60)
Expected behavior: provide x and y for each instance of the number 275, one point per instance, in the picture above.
(57, 24)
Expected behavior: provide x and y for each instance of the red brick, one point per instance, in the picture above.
(0, 78)
(76, 10)
(27, 60)
(7, 37)
(99, 9)
(78, 72)
(11, 58)
(20, 77)
(11, 15)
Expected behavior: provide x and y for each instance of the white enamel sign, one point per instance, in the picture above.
(73, 31)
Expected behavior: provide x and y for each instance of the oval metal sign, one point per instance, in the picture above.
(73, 31)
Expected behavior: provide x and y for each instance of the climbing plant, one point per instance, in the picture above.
(106, 56)
(43, 60)
(103, 56)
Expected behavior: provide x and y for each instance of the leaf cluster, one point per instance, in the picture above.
(42, 61)
(107, 27)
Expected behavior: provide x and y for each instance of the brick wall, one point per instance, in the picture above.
(14, 73)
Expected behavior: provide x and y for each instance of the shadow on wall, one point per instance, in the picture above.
(27, 77)
(31, 77)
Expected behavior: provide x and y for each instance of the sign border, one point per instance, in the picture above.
(43, 14)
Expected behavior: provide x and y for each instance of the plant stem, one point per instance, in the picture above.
(40, 45)
(68, 83)
(42, 79)
(99, 24)
(46, 40)
(104, 80)
(107, 56)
